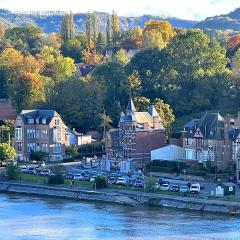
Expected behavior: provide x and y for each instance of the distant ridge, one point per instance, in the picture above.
(222, 22)
(50, 21)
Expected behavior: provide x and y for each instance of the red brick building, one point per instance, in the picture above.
(138, 134)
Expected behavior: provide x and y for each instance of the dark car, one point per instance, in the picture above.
(138, 184)
(175, 188)
(162, 182)
(68, 176)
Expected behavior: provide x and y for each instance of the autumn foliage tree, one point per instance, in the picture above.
(234, 41)
(157, 33)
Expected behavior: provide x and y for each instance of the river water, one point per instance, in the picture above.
(32, 218)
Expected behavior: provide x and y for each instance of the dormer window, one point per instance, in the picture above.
(43, 120)
(30, 121)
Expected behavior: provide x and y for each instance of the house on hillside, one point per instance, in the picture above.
(137, 135)
(40, 130)
(209, 139)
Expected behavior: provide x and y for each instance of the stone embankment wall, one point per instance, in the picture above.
(127, 198)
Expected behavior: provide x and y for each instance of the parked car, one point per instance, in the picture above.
(165, 187)
(24, 169)
(184, 189)
(162, 182)
(85, 177)
(111, 180)
(138, 183)
(77, 176)
(31, 170)
(69, 175)
(195, 188)
(175, 188)
(45, 172)
(121, 181)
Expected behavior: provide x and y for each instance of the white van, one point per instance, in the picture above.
(195, 188)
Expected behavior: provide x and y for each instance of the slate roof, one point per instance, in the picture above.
(233, 133)
(38, 114)
(84, 69)
(211, 126)
(152, 111)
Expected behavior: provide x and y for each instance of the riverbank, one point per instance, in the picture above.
(124, 197)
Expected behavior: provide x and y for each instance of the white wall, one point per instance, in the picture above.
(169, 153)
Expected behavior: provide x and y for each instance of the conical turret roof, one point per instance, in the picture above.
(152, 111)
(130, 106)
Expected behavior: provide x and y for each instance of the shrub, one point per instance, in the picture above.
(197, 173)
(159, 169)
(150, 184)
(66, 160)
(56, 178)
(101, 182)
(38, 156)
(13, 172)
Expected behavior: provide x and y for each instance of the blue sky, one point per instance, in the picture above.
(186, 9)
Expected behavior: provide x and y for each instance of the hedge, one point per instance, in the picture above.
(159, 169)
(197, 173)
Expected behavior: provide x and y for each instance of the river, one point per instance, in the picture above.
(32, 218)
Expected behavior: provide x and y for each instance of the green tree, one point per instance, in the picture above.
(105, 123)
(122, 57)
(108, 32)
(7, 152)
(88, 30)
(28, 39)
(196, 70)
(150, 184)
(100, 43)
(13, 172)
(65, 28)
(141, 103)
(73, 49)
(55, 65)
(95, 27)
(166, 114)
(71, 26)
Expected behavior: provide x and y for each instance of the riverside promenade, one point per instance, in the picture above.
(126, 197)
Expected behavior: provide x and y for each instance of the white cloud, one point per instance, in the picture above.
(186, 9)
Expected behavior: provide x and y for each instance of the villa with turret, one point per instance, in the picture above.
(138, 133)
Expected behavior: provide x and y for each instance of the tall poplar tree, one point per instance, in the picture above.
(115, 23)
(95, 27)
(108, 33)
(2, 30)
(71, 25)
(65, 28)
(88, 30)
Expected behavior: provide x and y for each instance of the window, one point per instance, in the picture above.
(31, 133)
(189, 154)
(56, 122)
(18, 134)
(37, 133)
(44, 147)
(56, 135)
(57, 148)
(43, 120)
(210, 143)
(30, 121)
(44, 134)
(37, 120)
(31, 147)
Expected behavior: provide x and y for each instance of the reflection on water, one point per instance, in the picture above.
(30, 218)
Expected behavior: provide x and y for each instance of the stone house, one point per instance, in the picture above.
(41, 130)
(209, 139)
(137, 135)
